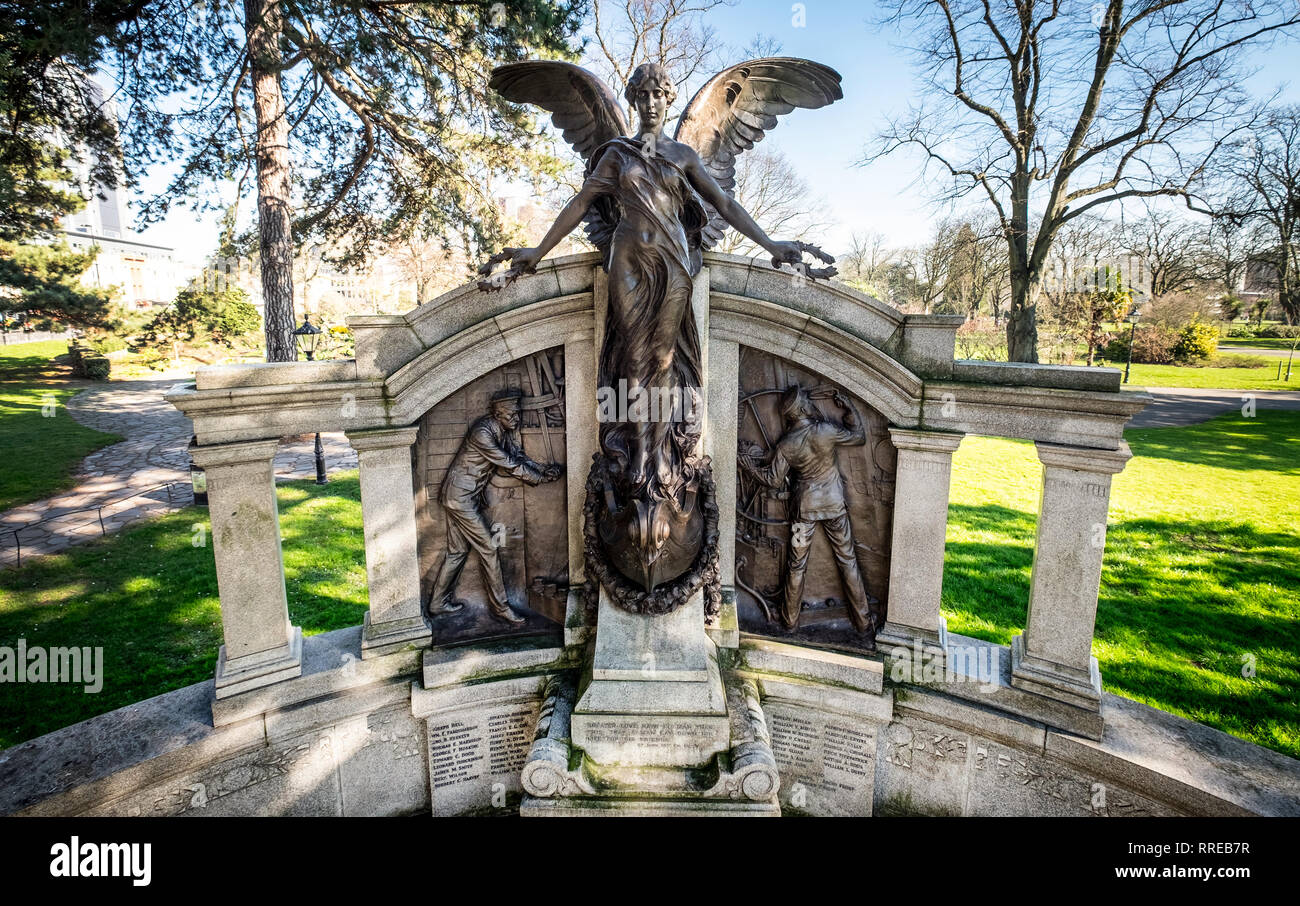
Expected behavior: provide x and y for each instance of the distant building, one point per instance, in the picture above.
(326, 292)
(145, 275)
(1258, 279)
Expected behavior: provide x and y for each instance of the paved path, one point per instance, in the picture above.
(145, 475)
(1266, 353)
(1176, 406)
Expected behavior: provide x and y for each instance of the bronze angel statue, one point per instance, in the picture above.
(652, 205)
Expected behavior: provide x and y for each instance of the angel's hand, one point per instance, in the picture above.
(522, 261)
(786, 253)
(792, 253)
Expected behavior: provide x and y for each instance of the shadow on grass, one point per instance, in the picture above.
(1268, 441)
(1201, 618)
(148, 597)
(987, 565)
(41, 361)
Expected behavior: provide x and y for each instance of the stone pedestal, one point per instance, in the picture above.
(261, 647)
(1053, 657)
(743, 782)
(395, 619)
(916, 557)
(655, 696)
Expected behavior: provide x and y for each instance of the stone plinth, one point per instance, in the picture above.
(655, 697)
(261, 647)
(395, 619)
(920, 527)
(558, 784)
(1053, 657)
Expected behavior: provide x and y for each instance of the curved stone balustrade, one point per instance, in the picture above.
(1036, 708)
(901, 365)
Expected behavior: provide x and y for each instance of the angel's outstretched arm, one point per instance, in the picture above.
(733, 213)
(570, 216)
(567, 220)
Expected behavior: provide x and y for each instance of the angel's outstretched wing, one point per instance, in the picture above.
(581, 105)
(739, 105)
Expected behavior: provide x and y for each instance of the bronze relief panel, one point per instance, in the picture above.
(491, 504)
(814, 507)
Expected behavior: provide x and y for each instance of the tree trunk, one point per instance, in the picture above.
(1026, 275)
(1022, 326)
(274, 220)
(1287, 298)
(1290, 303)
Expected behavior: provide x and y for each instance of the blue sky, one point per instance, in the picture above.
(822, 144)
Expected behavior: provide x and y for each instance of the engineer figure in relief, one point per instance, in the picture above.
(492, 446)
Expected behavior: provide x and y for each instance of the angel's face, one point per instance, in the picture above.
(651, 103)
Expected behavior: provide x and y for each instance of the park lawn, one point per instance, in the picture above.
(1202, 576)
(1262, 378)
(148, 596)
(41, 453)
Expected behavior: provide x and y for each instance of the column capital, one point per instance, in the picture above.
(382, 438)
(1084, 459)
(925, 441)
(245, 451)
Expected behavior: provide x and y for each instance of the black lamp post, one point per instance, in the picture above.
(308, 336)
(1132, 332)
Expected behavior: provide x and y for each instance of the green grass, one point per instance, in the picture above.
(148, 596)
(1262, 378)
(1202, 571)
(41, 452)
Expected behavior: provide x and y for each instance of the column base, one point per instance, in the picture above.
(390, 636)
(536, 807)
(931, 646)
(562, 780)
(252, 671)
(1051, 680)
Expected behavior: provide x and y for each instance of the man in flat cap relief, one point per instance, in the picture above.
(806, 455)
(492, 446)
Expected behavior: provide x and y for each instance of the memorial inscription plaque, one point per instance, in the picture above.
(476, 755)
(826, 761)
